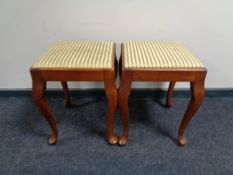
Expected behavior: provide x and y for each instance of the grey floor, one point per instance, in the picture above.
(82, 148)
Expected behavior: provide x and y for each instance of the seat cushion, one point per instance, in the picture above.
(78, 54)
(158, 55)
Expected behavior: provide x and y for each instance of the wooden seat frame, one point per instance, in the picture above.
(196, 77)
(41, 75)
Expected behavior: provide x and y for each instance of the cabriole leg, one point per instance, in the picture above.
(123, 95)
(111, 93)
(198, 92)
(38, 97)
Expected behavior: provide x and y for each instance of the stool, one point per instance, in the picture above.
(76, 61)
(160, 61)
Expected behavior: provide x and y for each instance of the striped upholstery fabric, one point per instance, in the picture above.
(158, 55)
(79, 54)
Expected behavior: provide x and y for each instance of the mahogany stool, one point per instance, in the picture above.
(76, 61)
(149, 61)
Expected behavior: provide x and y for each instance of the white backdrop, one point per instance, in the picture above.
(29, 27)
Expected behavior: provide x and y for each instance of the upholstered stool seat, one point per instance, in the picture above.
(76, 61)
(160, 61)
(158, 55)
(78, 55)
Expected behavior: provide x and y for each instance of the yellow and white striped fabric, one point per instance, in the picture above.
(158, 55)
(78, 54)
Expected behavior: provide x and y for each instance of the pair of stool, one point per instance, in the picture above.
(139, 61)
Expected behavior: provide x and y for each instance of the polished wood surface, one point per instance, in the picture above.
(196, 77)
